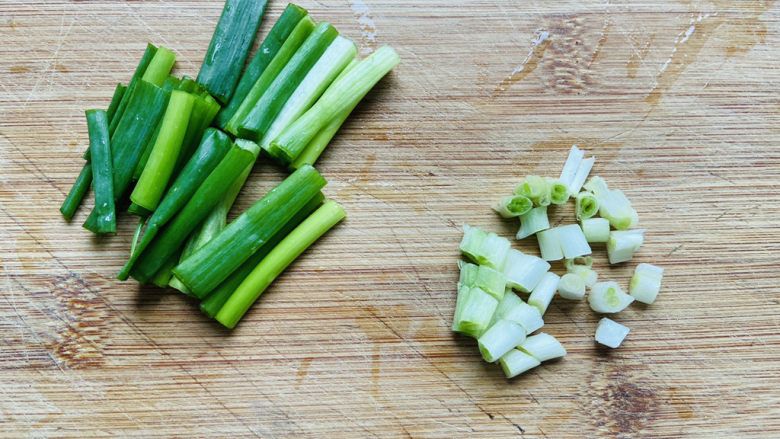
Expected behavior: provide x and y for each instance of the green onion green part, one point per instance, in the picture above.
(512, 206)
(149, 53)
(77, 192)
(586, 205)
(158, 69)
(100, 152)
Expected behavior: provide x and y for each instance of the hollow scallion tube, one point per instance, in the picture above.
(559, 193)
(523, 272)
(611, 333)
(646, 283)
(340, 95)
(205, 269)
(484, 248)
(204, 109)
(622, 244)
(512, 206)
(491, 281)
(595, 229)
(473, 311)
(158, 69)
(571, 286)
(576, 170)
(583, 270)
(542, 294)
(149, 53)
(116, 99)
(164, 274)
(573, 241)
(550, 244)
(77, 192)
(607, 297)
(100, 151)
(500, 338)
(513, 308)
(154, 179)
(533, 221)
(543, 347)
(322, 220)
(586, 205)
(613, 204)
(516, 362)
(534, 188)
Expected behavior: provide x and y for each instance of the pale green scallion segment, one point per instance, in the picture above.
(536, 188)
(288, 49)
(500, 338)
(157, 172)
(559, 193)
(586, 205)
(543, 347)
(516, 362)
(491, 281)
(343, 93)
(473, 311)
(595, 229)
(523, 271)
(322, 220)
(97, 125)
(607, 297)
(622, 244)
(571, 286)
(646, 283)
(511, 206)
(543, 292)
(533, 221)
(158, 69)
(484, 248)
(611, 333)
(513, 308)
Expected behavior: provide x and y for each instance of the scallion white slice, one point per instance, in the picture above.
(512, 206)
(622, 244)
(582, 267)
(514, 309)
(543, 347)
(484, 248)
(523, 271)
(646, 283)
(576, 170)
(489, 280)
(571, 286)
(573, 241)
(595, 229)
(611, 333)
(613, 204)
(516, 362)
(550, 244)
(533, 221)
(559, 193)
(500, 338)
(473, 311)
(607, 297)
(535, 188)
(542, 294)
(586, 205)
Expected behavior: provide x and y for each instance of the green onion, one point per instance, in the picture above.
(206, 268)
(607, 297)
(77, 192)
(611, 333)
(298, 35)
(197, 208)
(491, 281)
(534, 188)
(516, 362)
(511, 206)
(229, 46)
(340, 52)
(523, 272)
(533, 221)
(559, 193)
(613, 204)
(154, 179)
(571, 286)
(100, 151)
(500, 338)
(164, 274)
(512, 308)
(583, 270)
(473, 311)
(595, 229)
(217, 298)
(343, 93)
(149, 53)
(204, 109)
(322, 220)
(550, 244)
(137, 234)
(116, 99)
(576, 170)
(586, 206)
(158, 69)
(646, 283)
(543, 292)
(622, 244)
(291, 16)
(484, 248)
(543, 347)
(563, 242)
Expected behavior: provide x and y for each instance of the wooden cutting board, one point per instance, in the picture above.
(677, 100)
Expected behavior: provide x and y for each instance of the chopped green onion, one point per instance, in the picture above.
(291, 16)
(586, 205)
(322, 220)
(563, 242)
(613, 204)
(550, 244)
(230, 45)
(512, 308)
(100, 152)
(571, 286)
(204, 110)
(157, 172)
(77, 192)
(484, 248)
(523, 272)
(534, 188)
(582, 268)
(543, 347)
(542, 294)
(516, 362)
(491, 281)
(205, 269)
(576, 170)
(116, 99)
(298, 35)
(149, 53)
(160, 66)
(646, 283)
(342, 94)
(511, 206)
(137, 234)
(473, 311)
(607, 297)
(622, 244)
(559, 193)
(500, 338)
(164, 274)
(611, 333)
(533, 221)
(595, 229)
(335, 58)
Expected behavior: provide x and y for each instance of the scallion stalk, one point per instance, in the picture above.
(595, 229)
(523, 272)
(583, 270)
(322, 220)
(500, 338)
(484, 248)
(491, 281)
(100, 152)
(563, 242)
(534, 188)
(586, 205)
(77, 192)
(559, 193)
(611, 333)
(513, 308)
(533, 221)
(516, 362)
(646, 282)
(116, 99)
(607, 297)
(542, 294)
(613, 204)
(622, 244)
(512, 206)
(473, 311)
(543, 347)
(149, 53)
(571, 286)
(204, 109)
(160, 66)
(550, 244)
(576, 170)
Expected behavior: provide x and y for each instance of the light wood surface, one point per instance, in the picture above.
(677, 100)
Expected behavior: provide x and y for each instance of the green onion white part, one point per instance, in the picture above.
(576, 170)
(622, 244)
(586, 205)
(489, 280)
(559, 193)
(473, 311)
(535, 188)
(582, 267)
(535, 220)
(571, 286)
(613, 204)
(543, 347)
(500, 338)
(607, 297)
(595, 229)
(523, 272)
(611, 333)
(563, 242)
(542, 294)
(550, 244)
(646, 283)
(484, 248)
(512, 308)
(516, 362)
(512, 206)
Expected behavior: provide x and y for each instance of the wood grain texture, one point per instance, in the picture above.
(677, 100)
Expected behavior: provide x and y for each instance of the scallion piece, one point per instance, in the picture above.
(550, 244)
(149, 53)
(229, 46)
(613, 204)
(116, 99)
(343, 93)
(571, 286)
(268, 49)
(576, 170)
(473, 311)
(582, 269)
(646, 282)
(512, 308)
(622, 244)
(534, 188)
(500, 338)
(542, 294)
(158, 69)
(512, 206)
(543, 347)
(154, 179)
(322, 220)
(595, 229)
(523, 272)
(100, 151)
(491, 281)
(204, 109)
(205, 269)
(533, 221)
(586, 205)
(516, 362)
(563, 242)
(298, 35)
(559, 193)
(484, 248)
(77, 192)
(607, 297)
(164, 274)
(611, 333)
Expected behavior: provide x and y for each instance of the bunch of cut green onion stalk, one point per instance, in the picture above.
(487, 307)
(177, 151)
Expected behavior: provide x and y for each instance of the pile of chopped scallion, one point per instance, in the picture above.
(178, 151)
(487, 306)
